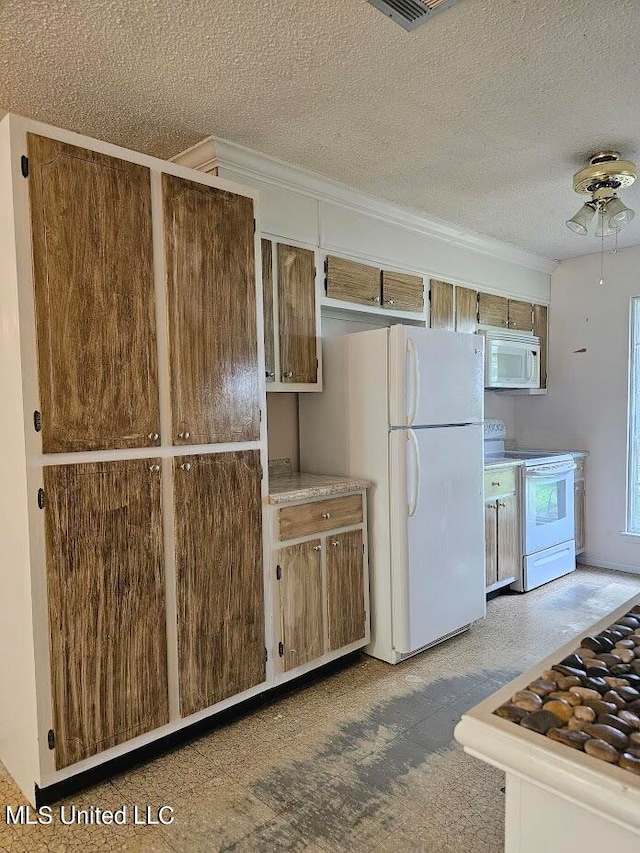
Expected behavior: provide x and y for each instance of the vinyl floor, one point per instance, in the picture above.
(361, 760)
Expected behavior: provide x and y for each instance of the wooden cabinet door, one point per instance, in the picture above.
(579, 514)
(106, 596)
(345, 589)
(441, 305)
(297, 311)
(540, 331)
(94, 298)
(301, 603)
(213, 344)
(508, 537)
(493, 310)
(353, 282)
(466, 310)
(402, 292)
(219, 576)
(491, 541)
(520, 315)
(267, 308)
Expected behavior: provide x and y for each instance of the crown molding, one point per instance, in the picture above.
(212, 152)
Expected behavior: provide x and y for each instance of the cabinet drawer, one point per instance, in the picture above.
(317, 516)
(499, 481)
(580, 467)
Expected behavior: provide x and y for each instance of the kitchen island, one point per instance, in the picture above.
(558, 798)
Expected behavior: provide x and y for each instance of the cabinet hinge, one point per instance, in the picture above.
(266, 654)
(254, 226)
(37, 421)
(326, 275)
(51, 739)
(363, 547)
(24, 166)
(281, 649)
(41, 498)
(278, 572)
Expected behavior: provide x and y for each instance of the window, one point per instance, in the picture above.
(633, 481)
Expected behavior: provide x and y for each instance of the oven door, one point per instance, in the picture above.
(548, 505)
(512, 364)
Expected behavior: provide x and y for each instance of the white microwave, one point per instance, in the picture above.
(511, 360)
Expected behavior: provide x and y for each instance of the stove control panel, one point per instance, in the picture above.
(495, 430)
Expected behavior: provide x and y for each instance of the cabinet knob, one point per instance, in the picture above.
(270, 374)
(154, 468)
(317, 547)
(390, 302)
(495, 483)
(505, 323)
(503, 505)
(184, 435)
(326, 515)
(153, 436)
(335, 543)
(287, 375)
(186, 466)
(375, 299)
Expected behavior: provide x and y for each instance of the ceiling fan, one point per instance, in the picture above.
(602, 179)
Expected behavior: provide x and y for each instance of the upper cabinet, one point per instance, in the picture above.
(540, 330)
(352, 281)
(466, 310)
(493, 310)
(381, 291)
(291, 317)
(442, 314)
(94, 299)
(213, 336)
(520, 316)
(402, 292)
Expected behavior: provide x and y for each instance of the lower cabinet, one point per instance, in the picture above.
(345, 589)
(219, 576)
(301, 603)
(502, 529)
(106, 599)
(322, 582)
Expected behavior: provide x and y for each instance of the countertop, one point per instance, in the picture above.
(285, 488)
(600, 787)
(501, 462)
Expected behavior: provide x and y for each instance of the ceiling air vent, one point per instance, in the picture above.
(411, 13)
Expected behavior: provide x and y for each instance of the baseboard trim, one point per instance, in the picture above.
(52, 793)
(586, 560)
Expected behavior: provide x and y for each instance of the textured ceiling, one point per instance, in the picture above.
(480, 117)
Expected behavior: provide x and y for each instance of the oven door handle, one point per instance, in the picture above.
(551, 470)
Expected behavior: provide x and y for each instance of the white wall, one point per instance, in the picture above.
(586, 407)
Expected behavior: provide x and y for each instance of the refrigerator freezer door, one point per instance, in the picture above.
(437, 543)
(435, 377)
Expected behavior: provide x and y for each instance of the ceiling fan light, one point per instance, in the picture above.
(617, 214)
(579, 223)
(605, 229)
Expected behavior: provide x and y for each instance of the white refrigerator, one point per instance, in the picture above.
(403, 406)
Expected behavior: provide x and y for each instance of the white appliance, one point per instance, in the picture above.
(512, 359)
(404, 407)
(547, 507)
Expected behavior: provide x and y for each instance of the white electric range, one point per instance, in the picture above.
(547, 511)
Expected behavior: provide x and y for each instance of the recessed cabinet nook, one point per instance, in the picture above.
(133, 455)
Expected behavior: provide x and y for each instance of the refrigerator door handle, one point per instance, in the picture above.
(413, 503)
(415, 380)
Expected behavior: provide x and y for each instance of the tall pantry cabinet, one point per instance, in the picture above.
(132, 449)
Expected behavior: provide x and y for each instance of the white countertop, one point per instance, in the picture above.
(604, 789)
